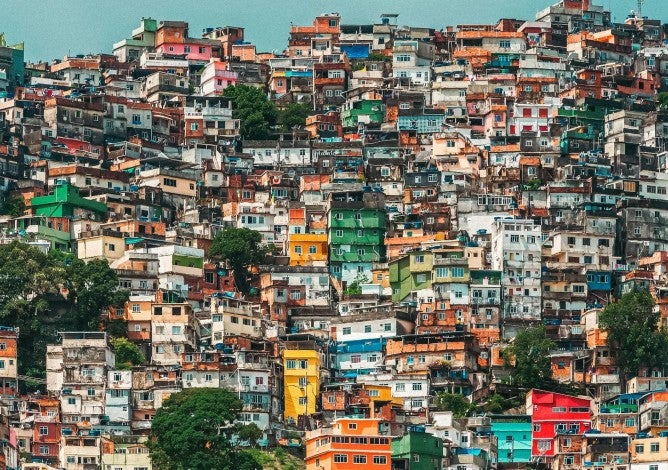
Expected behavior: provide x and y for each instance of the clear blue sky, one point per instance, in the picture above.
(54, 28)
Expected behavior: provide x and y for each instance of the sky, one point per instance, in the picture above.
(54, 28)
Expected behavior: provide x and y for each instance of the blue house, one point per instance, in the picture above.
(359, 357)
(513, 435)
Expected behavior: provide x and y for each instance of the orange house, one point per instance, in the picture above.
(349, 443)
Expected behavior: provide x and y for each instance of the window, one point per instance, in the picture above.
(291, 364)
(379, 460)
(352, 425)
(43, 431)
(504, 44)
(169, 182)
(44, 450)
(339, 233)
(400, 387)
(417, 386)
(340, 458)
(457, 272)
(654, 447)
(346, 330)
(359, 458)
(419, 259)
(302, 401)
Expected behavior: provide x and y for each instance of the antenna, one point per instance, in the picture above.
(639, 11)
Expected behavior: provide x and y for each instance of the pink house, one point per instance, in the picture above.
(194, 50)
(216, 77)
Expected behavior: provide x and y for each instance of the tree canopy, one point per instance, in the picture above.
(44, 294)
(127, 353)
(251, 105)
(194, 429)
(453, 402)
(530, 350)
(241, 248)
(294, 114)
(632, 326)
(12, 205)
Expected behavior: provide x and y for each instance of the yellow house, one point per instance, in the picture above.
(301, 382)
(308, 249)
(649, 450)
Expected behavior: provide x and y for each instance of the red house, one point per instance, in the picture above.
(552, 414)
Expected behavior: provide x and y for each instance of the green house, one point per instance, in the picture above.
(410, 273)
(65, 201)
(365, 111)
(417, 450)
(356, 239)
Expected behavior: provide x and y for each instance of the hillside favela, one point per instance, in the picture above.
(379, 246)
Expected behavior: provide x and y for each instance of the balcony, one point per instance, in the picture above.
(325, 81)
(604, 379)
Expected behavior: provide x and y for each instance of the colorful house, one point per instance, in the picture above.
(301, 380)
(552, 413)
(417, 450)
(349, 444)
(513, 434)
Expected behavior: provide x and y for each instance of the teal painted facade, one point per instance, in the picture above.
(513, 437)
(417, 450)
(356, 241)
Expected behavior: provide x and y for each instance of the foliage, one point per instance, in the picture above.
(663, 99)
(193, 430)
(127, 353)
(455, 403)
(294, 114)
(251, 105)
(242, 248)
(94, 287)
(376, 57)
(530, 349)
(44, 294)
(249, 433)
(355, 287)
(495, 404)
(12, 205)
(632, 325)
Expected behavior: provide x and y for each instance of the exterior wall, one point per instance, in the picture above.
(348, 444)
(307, 249)
(548, 412)
(301, 365)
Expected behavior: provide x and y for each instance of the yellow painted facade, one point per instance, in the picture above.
(307, 249)
(301, 382)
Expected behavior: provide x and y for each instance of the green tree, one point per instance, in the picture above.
(194, 429)
(632, 325)
(127, 353)
(241, 248)
(12, 205)
(31, 299)
(251, 105)
(454, 402)
(355, 287)
(530, 350)
(44, 294)
(294, 114)
(93, 286)
(249, 433)
(663, 99)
